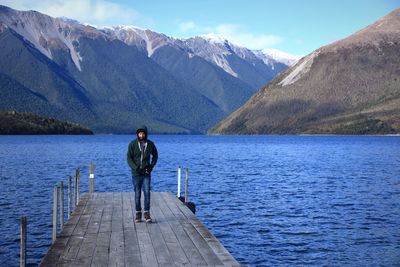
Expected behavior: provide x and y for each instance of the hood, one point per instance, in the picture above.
(142, 128)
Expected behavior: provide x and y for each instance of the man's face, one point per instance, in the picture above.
(141, 135)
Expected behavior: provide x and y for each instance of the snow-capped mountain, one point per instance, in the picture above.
(45, 32)
(65, 32)
(270, 54)
(213, 48)
(115, 67)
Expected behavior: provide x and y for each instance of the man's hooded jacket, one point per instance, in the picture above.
(139, 156)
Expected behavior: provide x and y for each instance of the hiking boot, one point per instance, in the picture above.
(147, 217)
(138, 217)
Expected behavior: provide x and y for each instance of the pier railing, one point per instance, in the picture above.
(73, 192)
(58, 207)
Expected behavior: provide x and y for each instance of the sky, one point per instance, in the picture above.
(294, 26)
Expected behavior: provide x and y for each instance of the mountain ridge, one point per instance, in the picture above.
(121, 76)
(350, 86)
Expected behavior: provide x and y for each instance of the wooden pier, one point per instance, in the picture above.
(101, 232)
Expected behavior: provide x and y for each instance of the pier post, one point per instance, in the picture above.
(91, 178)
(69, 196)
(55, 213)
(24, 222)
(61, 205)
(78, 175)
(186, 184)
(76, 191)
(179, 182)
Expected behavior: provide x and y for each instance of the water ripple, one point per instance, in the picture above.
(271, 200)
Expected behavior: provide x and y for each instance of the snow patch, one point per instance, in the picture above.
(278, 56)
(221, 62)
(132, 35)
(299, 70)
(25, 23)
(214, 38)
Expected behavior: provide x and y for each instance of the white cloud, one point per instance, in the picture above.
(237, 34)
(233, 32)
(94, 12)
(185, 26)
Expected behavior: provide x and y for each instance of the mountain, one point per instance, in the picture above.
(27, 123)
(111, 79)
(276, 55)
(351, 86)
(225, 73)
(77, 73)
(239, 62)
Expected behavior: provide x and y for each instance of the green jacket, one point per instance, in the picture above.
(134, 156)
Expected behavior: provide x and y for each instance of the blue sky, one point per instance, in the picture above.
(296, 27)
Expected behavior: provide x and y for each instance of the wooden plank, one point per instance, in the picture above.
(160, 248)
(145, 246)
(82, 204)
(95, 219)
(203, 247)
(213, 242)
(72, 248)
(116, 257)
(148, 257)
(87, 247)
(131, 249)
(106, 217)
(171, 241)
(116, 222)
(55, 252)
(127, 213)
(107, 213)
(192, 253)
(82, 225)
(60, 245)
(93, 227)
(101, 251)
(74, 263)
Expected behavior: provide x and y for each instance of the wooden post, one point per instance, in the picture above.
(91, 178)
(61, 205)
(179, 182)
(23, 241)
(76, 197)
(186, 185)
(55, 214)
(78, 174)
(75, 190)
(69, 196)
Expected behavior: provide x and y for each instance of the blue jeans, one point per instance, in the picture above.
(138, 183)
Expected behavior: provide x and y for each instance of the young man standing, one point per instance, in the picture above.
(139, 151)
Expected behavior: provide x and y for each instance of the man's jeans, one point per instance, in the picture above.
(138, 183)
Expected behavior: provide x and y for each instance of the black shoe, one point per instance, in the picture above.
(138, 217)
(147, 217)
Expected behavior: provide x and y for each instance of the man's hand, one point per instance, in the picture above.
(140, 171)
(148, 169)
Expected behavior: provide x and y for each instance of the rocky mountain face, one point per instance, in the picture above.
(223, 72)
(351, 86)
(111, 79)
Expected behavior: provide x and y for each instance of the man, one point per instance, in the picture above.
(139, 151)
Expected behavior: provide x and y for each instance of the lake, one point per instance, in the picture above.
(270, 200)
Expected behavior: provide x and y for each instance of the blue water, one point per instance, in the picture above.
(270, 200)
